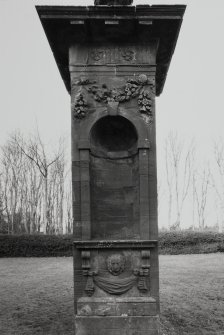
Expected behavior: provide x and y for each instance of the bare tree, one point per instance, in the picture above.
(34, 150)
(169, 180)
(34, 187)
(179, 160)
(200, 192)
(12, 164)
(217, 177)
(56, 194)
(68, 228)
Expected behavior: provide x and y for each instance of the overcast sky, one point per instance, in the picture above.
(32, 91)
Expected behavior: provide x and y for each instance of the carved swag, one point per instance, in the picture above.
(142, 88)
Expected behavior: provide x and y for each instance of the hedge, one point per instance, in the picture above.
(183, 242)
(35, 245)
(190, 242)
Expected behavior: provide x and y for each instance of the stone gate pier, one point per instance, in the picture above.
(113, 59)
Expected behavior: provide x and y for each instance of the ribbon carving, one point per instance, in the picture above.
(143, 272)
(90, 288)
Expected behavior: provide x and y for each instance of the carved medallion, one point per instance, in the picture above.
(116, 264)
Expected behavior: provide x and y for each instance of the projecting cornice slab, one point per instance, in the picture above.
(64, 25)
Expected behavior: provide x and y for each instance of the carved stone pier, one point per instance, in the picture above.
(114, 59)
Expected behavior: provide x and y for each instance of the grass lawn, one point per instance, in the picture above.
(36, 295)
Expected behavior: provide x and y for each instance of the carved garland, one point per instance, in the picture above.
(132, 89)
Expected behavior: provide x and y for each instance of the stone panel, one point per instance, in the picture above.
(114, 198)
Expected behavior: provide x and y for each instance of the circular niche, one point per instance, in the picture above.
(114, 137)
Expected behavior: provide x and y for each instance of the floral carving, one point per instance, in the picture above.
(79, 107)
(141, 87)
(131, 90)
(145, 103)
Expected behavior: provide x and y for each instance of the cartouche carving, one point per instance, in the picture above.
(116, 265)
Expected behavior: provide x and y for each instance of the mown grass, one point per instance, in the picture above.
(37, 295)
(192, 295)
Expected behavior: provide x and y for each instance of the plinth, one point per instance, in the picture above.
(114, 61)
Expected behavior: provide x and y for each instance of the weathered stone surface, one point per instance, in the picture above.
(138, 306)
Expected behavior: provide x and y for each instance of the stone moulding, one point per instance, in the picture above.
(115, 244)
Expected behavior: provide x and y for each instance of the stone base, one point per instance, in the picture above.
(114, 306)
(117, 325)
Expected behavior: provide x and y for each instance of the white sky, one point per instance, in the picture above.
(32, 91)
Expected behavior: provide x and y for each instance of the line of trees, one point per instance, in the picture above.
(35, 187)
(35, 192)
(190, 189)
